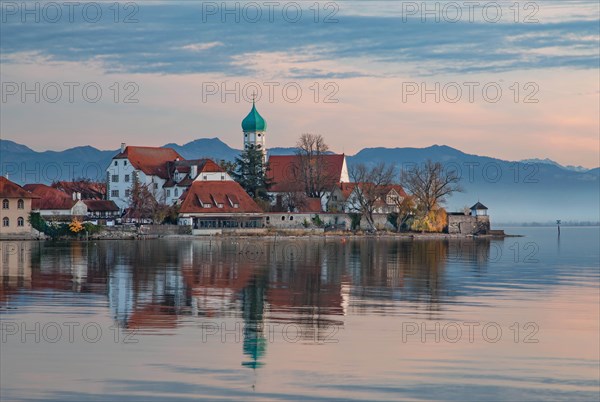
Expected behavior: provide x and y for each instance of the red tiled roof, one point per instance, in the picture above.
(49, 198)
(150, 160)
(284, 171)
(169, 183)
(210, 167)
(9, 189)
(101, 205)
(311, 205)
(347, 189)
(217, 192)
(89, 190)
(185, 182)
(184, 166)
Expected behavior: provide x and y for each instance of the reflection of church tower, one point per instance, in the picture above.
(254, 128)
(253, 305)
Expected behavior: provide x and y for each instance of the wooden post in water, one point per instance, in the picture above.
(558, 226)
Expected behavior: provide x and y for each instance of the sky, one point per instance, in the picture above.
(512, 80)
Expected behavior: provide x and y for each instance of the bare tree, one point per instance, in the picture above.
(142, 203)
(313, 172)
(405, 210)
(430, 185)
(293, 201)
(372, 185)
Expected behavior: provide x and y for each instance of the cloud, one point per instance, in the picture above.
(198, 47)
(168, 38)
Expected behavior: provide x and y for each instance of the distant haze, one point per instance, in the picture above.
(541, 191)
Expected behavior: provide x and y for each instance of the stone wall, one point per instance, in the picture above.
(468, 224)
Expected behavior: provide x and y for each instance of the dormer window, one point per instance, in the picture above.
(207, 205)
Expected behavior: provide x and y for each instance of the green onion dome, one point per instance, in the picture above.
(254, 121)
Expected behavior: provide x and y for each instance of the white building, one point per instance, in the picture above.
(162, 170)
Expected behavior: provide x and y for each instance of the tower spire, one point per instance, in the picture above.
(254, 128)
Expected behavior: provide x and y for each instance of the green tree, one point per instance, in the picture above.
(227, 166)
(251, 173)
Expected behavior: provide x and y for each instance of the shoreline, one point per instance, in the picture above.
(271, 236)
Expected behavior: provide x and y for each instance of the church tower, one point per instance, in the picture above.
(254, 128)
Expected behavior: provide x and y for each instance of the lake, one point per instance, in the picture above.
(303, 319)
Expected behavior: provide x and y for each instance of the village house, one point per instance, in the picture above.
(345, 197)
(53, 204)
(284, 173)
(162, 170)
(15, 210)
(93, 195)
(89, 190)
(213, 207)
(102, 211)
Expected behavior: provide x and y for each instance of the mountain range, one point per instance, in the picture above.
(514, 191)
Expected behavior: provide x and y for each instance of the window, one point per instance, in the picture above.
(259, 134)
(20, 204)
(116, 163)
(115, 178)
(176, 192)
(205, 177)
(127, 193)
(5, 222)
(168, 193)
(283, 218)
(20, 221)
(222, 177)
(125, 162)
(291, 218)
(155, 186)
(126, 178)
(114, 193)
(4, 204)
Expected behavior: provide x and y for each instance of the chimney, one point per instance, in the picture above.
(193, 171)
(74, 195)
(79, 196)
(123, 145)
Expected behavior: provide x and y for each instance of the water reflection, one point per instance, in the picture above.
(170, 291)
(152, 285)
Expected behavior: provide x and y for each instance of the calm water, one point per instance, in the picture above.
(179, 320)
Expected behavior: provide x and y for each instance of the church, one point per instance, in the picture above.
(284, 171)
